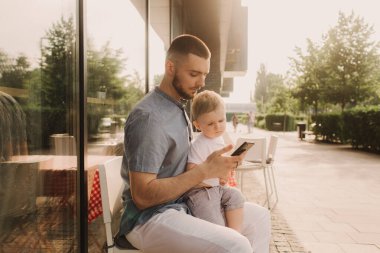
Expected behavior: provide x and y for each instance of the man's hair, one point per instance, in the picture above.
(188, 44)
(204, 102)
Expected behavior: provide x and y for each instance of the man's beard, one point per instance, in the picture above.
(181, 92)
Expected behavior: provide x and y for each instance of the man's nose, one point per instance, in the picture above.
(201, 81)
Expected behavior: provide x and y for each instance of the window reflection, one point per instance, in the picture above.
(116, 70)
(37, 179)
(116, 82)
(38, 85)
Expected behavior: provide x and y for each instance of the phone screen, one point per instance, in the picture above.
(243, 147)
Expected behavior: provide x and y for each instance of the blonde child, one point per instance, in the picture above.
(212, 200)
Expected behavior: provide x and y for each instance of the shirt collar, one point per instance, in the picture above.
(181, 104)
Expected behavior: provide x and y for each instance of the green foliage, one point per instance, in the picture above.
(344, 70)
(311, 77)
(282, 102)
(104, 72)
(132, 95)
(42, 122)
(362, 127)
(34, 87)
(271, 94)
(57, 65)
(14, 73)
(351, 61)
(359, 126)
(329, 126)
(57, 78)
(276, 122)
(261, 85)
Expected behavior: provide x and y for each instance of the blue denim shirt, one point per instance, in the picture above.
(157, 140)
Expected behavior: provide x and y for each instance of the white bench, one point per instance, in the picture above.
(111, 186)
(306, 133)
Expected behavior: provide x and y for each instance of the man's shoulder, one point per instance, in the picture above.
(146, 107)
(156, 105)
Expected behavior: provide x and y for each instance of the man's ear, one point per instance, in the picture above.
(170, 67)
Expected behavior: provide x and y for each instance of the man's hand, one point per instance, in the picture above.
(220, 166)
(148, 190)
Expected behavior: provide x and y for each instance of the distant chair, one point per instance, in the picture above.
(63, 144)
(270, 165)
(111, 187)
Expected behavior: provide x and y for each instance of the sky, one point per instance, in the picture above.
(276, 27)
(103, 25)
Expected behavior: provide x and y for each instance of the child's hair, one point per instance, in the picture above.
(204, 102)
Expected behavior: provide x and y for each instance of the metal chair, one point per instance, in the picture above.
(254, 159)
(258, 159)
(63, 144)
(270, 165)
(111, 187)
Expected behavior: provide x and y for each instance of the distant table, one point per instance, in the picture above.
(57, 178)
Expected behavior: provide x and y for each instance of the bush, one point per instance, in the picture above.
(362, 128)
(329, 126)
(358, 126)
(275, 122)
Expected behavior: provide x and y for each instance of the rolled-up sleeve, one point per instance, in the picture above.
(146, 144)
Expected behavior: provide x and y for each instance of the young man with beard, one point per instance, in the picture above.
(156, 143)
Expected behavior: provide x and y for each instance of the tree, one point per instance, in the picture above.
(105, 69)
(342, 71)
(57, 64)
(351, 61)
(266, 87)
(310, 75)
(57, 78)
(106, 74)
(261, 87)
(14, 73)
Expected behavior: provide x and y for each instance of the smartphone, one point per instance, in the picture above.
(243, 147)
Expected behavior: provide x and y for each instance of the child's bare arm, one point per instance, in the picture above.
(189, 166)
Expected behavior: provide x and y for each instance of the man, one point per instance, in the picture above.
(157, 140)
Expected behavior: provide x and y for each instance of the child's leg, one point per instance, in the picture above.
(233, 203)
(234, 219)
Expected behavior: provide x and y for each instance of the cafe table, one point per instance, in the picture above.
(57, 177)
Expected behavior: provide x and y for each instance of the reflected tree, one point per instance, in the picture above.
(57, 78)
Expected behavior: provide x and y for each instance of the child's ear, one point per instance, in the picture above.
(196, 124)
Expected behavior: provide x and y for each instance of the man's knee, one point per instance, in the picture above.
(239, 244)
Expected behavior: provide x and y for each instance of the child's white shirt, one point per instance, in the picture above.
(201, 148)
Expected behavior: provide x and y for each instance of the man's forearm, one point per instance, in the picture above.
(147, 190)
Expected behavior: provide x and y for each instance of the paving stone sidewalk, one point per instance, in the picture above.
(283, 238)
(329, 195)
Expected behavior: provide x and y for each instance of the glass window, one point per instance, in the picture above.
(38, 110)
(38, 159)
(116, 82)
(159, 40)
